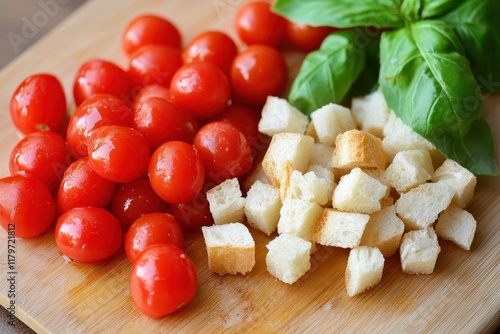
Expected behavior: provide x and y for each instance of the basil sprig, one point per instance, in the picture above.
(433, 61)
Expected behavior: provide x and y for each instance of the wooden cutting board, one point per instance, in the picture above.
(57, 296)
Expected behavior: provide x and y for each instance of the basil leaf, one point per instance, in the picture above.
(431, 8)
(427, 81)
(342, 13)
(411, 9)
(477, 25)
(327, 75)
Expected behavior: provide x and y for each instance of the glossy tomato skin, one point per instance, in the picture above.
(224, 150)
(194, 214)
(255, 23)
(99, 110)
(176, 172)
(118, 153)
(43, 154)
(88, 234)
(200, 88)
(258, 72)
(152, 228)
(213, 46)
(154, 65)
(25, 202)
(98, 76)
(159, 122)
(82, 186)
(38, 103)
(150, 29)
(163, 280)
(150, 91)
(305, 37)
(134, 199)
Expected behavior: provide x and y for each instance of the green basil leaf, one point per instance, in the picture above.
(432, 8)
(326, 75)
(411, 9)
(342, 13)
(427, 81)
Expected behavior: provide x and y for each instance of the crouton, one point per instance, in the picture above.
(340, 229)
(280, 116)
(262, 207)
(331, 120)
(226, 202)
(356, 148)
(456, 225)
(364, 269)
(384, 231)
(419, 251)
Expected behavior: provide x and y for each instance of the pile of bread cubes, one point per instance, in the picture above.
(354, 178)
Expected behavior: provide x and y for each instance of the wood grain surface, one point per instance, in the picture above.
(57, 296)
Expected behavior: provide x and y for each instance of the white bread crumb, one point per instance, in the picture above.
(280, 116)
(226, 202)
(409, 169)
(371, 113)
(364, 269)
(340, 229)
(456, 225)
(459, 179)
(262, 207)
(419, 251)
(331, 120)
(308, 187)
(299, 217)
(321, 155)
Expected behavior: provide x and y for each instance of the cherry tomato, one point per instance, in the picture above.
(150, 91)
(257, 72)
(26, 206)
(43, 154)
(99, 76)
(213, 46)
(224, 150)
(176, 172)
(200, 88)
(38, 103)
(99, 110)
(88, 234)
(304, 37)
(154, 65)
(118, 153)
(150, 29)
(152, 228)
(160, 122)
(163, 280)
(133, 199)
(193, 214)
(82, 186)
(256, 24)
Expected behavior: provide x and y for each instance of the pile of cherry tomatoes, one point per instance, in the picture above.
(133, 162)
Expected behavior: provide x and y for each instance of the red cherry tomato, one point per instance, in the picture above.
(200, 88)
(258, 72)
(154, 65)
(224, 150)
(256, 24)
(134, 199)
(160, 122)
(88, 234)
(43, 154)
(163, 280)
(304, 37)
(82, 186)
(98, 76)
(38, 103)
(152, 228)
(118, 153)
(176, 172)
(150, 29)
(26, 206)
(213, 46)
(99, 110)
(150, 91)
(193, 214)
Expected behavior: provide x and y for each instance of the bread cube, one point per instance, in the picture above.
(308, 187)
(340, 229)
(419, 208)
(358, 192)
(327, 175)
(331, 120)
(419, 251)
(288, 257)
(371, 113)
(384, 231)
(262, 207)
(321, 155)
(459, 179)
(280, 116)
(286, 149)
(230, 248)
(356, 148)
(456, 225)
(226, 202)
(364, 269)
(299, 217)
(380, 175)
(256, 174)
(409, 169)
